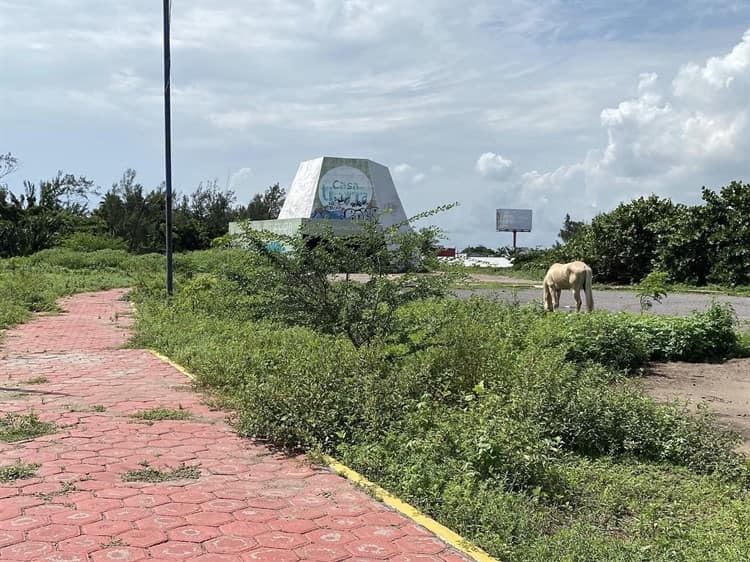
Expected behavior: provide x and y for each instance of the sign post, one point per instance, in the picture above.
(513, 220)
(168, 145)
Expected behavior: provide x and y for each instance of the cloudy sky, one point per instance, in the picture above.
(560, 106)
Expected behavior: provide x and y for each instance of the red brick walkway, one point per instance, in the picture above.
(249, 503)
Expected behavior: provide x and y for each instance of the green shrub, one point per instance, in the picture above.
(88, 242)
(623, 341)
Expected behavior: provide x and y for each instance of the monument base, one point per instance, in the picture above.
(299, 226)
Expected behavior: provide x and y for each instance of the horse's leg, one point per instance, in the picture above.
(577, 297)
(556, 298)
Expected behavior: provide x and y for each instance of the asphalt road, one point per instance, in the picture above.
(676, 304)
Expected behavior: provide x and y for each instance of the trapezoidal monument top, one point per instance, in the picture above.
(350, 189)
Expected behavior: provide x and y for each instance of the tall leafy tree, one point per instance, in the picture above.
(728, 228)
(264, 206)
(40, 216)
(570, 229)
(133, 215)
(625, 239)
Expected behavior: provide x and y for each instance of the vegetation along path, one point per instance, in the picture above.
(132, 465)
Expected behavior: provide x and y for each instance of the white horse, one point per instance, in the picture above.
(575, 275)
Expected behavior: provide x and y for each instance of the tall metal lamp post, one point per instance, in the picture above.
(168, 144)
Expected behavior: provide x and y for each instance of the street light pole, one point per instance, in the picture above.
(168, 144)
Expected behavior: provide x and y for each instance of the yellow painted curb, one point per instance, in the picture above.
(177, 366)
(441, 531)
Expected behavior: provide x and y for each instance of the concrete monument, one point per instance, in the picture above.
(336, 192)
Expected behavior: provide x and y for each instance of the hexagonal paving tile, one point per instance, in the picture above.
(330, 536)
(143, 538)
(279, 539)
(145, 500)
(106, 528)
(384, 518)
(340, 523)
(228, 544)
(192, 496)
(54, 533)
(10, 537)
(24, 523)
(271, 555)
(127, 514)
(162, 522)
(210, 518)
(99, 504)
(75, 517)
(26, 550)
(244, 528)
(257, 515)
(9, 511)
(66, 557)
(176, 550)
(176, 509)
(193, 533)
(82, 543)
(380, 549)
(323, 553)
(119, 554)
(267, 503)
(117, 493)
(225, 505)
(302, 512)
(213, 557)
(347, 511)
(420, 545)
(378, 532)
(291, 525)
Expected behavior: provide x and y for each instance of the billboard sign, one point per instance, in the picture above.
(513, 220)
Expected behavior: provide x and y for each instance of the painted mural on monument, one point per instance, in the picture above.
(345, 192)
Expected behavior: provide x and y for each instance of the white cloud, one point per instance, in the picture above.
(719, 78)
(402, 169)
(493, 166)
(242, 180)
(664, 142)
(406, 173)
(125, 81)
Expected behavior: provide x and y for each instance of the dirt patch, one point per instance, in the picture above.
(724, 387)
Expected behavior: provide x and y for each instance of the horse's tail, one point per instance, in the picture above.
(588, 290)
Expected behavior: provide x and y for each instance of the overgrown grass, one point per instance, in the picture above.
(150, 474)
(17, 427)
(516, 428)
(17, 471)
(35, 283)
(158, 414)
(35, 380)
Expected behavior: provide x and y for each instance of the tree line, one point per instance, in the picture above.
(60, 211)
(694, 244)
